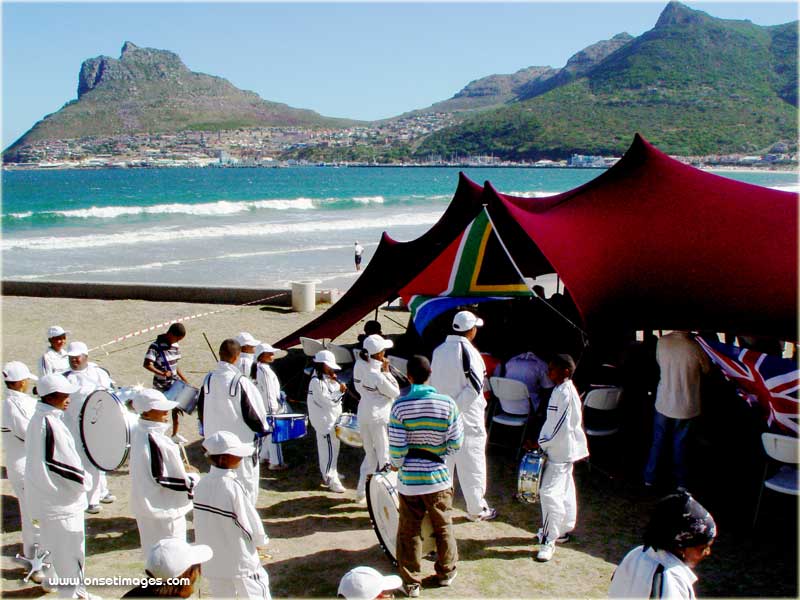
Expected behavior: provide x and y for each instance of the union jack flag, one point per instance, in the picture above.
(770, 382)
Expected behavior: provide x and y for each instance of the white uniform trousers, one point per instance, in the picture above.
(271, 451)
(152, 531)
(375, 436)
(559, 503)
(30, 531)
(65, 539)
(328, 452)
(99, 487)
(246, 586)
(469, 463)
(249, 475)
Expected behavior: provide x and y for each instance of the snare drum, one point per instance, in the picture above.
(287, 427)
(530, 475)
(383, 503)
(347, 431)
(105, 430)
(184, 394)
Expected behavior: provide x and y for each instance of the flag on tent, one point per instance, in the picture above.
(769, 381)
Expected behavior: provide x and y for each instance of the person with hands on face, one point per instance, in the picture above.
(324, 407)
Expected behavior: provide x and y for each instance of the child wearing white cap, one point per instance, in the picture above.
(247, 357)
(18, 408)
(226, 520)
(161, 489)
(270, 388)
(89, 377)
(365, 583)
(378, 390)
(172, 559)
(55, 484)
(54, 359)
(324, 407)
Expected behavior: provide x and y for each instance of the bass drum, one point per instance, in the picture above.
(105, 428)
(529, 476)
(383, 503)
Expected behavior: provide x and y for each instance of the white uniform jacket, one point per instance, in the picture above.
(90, 379)
(160, 486)
(18, 408)
(378, 391)
(652, 574)
(324, 403)
(245, 364)
(360, 369)
(232, 403)
(458, 371)
(54, 476)
(226, 520)
(562, 437)
(269, 387)
(53, 362)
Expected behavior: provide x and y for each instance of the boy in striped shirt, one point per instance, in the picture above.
(424, 428)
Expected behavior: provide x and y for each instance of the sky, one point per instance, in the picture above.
(360, 60)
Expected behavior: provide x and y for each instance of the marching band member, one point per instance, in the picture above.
(378, 390)
(226, 520)
(55, 481)
(168, 560)
(89, 377)
(247, 356)
(324, 407)
(563, 441)
(232, 403)
(458, 372)
(18, 408)
(365, 583)
(54, 359)
(161, 489)
(270, 388)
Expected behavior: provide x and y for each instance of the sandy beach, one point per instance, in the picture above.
(317, 535)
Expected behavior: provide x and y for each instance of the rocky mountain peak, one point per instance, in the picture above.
(128, 47)
(676, 13)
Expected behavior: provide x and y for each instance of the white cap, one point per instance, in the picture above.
(265, 347)
(171, 557)
(365, 583)
(375, 343)
(147, 399)
(326, 357)
(225, 442)
(245, 339)
(77, 349)
(55, 382)
(465, 320)
(17, 371)
(56, 331)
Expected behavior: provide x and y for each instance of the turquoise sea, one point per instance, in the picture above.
(237, 227)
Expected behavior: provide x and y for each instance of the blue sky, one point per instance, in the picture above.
(358, 60)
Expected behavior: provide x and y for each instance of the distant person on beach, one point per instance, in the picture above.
(270, 388)
(162, 357)
(682, 363)
(378, 390)
(54, 359)
(324, 407)
(18, 408)
(231, 402)
(168, 560)
(247, 357)
(425, 427)
(226, 519)
(678, 537)
(564, 443)
(359, 250)
(459, 372)
(89, 377)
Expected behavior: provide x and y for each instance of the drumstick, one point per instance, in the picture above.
(214, 354)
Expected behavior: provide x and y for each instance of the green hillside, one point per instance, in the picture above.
(693, 84)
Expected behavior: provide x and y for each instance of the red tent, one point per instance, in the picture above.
(649, 244)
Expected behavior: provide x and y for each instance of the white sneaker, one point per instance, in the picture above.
(546, 552)
(336, 486)
(108, 498)
(361, 498)
(562, 539)
(487, 514)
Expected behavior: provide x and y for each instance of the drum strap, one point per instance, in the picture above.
(657, 588)
(424, 454)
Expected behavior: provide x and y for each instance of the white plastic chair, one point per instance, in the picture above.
(342, 355)
(603, 399)
(783, 449)
(311, 346)
(515, 405)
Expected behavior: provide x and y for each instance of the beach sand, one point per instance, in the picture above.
(316, 535)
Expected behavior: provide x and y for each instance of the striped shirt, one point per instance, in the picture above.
(428, 421)
(165, 357)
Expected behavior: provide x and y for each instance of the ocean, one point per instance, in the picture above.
(238, 227)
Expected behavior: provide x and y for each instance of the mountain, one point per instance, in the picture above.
(693, 84)
(152, 91)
